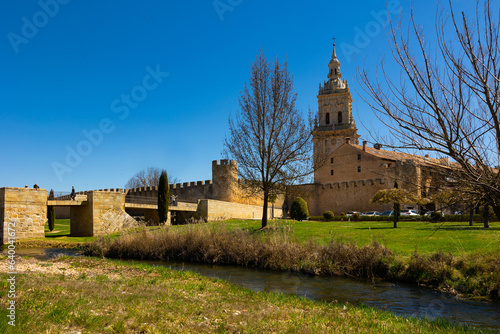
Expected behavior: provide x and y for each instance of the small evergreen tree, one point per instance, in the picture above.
(163, 197)
(51, 212)
(299, 210)
(397, 208)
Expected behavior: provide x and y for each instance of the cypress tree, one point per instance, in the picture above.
(163, 197)
(397, 208)
(51, 212)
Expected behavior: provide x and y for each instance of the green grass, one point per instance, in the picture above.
(104, 296)
(456, 238)
(61, 228)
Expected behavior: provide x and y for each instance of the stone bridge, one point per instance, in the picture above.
(23, 211)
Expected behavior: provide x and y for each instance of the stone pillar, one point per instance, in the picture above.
(24, 210)
(103, 214)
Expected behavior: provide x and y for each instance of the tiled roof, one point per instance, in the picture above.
(398, 156)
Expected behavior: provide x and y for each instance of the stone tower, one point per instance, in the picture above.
(225, 180)
(335, 123)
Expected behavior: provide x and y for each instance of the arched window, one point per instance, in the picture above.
(339, 115)
(327, 118)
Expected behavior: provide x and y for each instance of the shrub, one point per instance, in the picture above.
(316, 218)
(356, 216)
(342, 214)
(298, 210)
(436, 216)
(328, 215)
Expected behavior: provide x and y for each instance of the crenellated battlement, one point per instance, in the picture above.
(350, 184)
(224, 162)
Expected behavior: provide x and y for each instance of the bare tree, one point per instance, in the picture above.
(269, 137)
(148, 177)
(447, 101)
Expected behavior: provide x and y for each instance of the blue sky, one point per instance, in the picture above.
(93, 91)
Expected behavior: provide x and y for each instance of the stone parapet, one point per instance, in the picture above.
(218, 210)
(24, 210)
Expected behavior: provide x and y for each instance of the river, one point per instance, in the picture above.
(401, 299)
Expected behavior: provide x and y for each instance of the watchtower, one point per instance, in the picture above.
(225, 180)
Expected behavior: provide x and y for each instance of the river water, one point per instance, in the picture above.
(400, 299)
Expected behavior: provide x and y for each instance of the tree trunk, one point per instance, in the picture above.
(496, 210)
(264, 209)
(471, 216)
(397, 212)
(486, 215)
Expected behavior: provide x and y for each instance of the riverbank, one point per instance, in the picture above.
(89, 295)
(469, 275)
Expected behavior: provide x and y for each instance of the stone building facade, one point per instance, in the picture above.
(347, 174)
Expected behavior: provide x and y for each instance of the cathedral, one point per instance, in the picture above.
(348, 174)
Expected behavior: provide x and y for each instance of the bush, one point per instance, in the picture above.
(316, 218)
(356, 216)
(342, 214)
(436, 216)
(298, 210)
(328, 215)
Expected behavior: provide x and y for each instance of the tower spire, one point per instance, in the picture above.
(334, 74)
(334, 54)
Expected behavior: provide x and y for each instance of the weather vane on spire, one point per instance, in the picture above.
(333, 39)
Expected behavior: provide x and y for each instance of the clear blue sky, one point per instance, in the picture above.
(126, 85)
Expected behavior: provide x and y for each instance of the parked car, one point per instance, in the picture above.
(371, 213)
(428, 213)
(409, 213)
(387, 213)
(350, 213)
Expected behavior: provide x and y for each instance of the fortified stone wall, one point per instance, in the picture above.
(224, 186)
(344, 196)
(219, 210)
(24, 210)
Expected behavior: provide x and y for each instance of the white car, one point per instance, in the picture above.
(350, 213)
(409, 213)
(371, 213)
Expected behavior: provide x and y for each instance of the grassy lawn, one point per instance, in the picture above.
(457, 238)
(89, 295)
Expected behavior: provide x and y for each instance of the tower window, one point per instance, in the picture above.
(359, 156)
(327, 118)
(331, 160)
(331, 172)
(359, 169)
(339, 117)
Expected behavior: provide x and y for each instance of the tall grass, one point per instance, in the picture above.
(473, 275)
(276, 250)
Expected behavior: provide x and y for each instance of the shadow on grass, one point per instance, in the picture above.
(377, 228)
(57, 235)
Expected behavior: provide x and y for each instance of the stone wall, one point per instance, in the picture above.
(224, 186)
(103, 214)
(218, 210)
(23, 209)
(343, 196)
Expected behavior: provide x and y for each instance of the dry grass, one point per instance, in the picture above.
(471, 275)
(265, 249)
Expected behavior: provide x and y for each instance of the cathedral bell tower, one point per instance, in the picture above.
(335, 123)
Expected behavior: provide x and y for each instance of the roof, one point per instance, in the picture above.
(399, 156)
